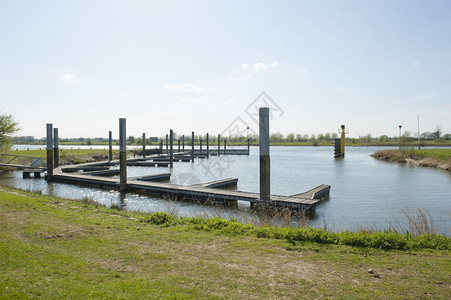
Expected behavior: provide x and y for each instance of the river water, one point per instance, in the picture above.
(364, 192)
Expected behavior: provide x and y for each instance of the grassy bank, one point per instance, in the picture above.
(70, 156)
(56, 248)
(434, 158)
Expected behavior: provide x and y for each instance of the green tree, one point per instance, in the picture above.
(7, 128)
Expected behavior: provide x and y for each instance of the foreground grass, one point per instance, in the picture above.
(56, 248)
(434, 158)
(69, 156)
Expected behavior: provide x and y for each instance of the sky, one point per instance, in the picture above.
(207, 66)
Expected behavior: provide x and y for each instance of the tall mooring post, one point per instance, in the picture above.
(56, 154)
(178, 141)
(144, 145)
(122, 154)
(161, 146)
(264, 154)
(225, 146)
(49, 151)
(219, 145)
(208, 147)
(110, 145)
(200, 146)
(248, 146)
(192, 146)
(167, 145)
(171, 148)
(183, 143)
(340, 144)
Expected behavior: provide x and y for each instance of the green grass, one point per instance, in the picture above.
(56, 248)
(444, 154)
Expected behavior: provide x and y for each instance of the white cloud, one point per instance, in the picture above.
(192, 100)
(415, 64)
(261, 66)
(418, 98)
(244, 66)
(249, 77)
(184, 86)
(67, 77)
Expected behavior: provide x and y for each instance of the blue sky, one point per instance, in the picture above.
(197, 65)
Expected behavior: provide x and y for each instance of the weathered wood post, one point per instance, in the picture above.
(49, 151)
(183, 143)
(55, 148)
(122, 154)
(161, 146)
(264, 153)
(167, 146)
(248, 147)
(110, 145)
(225, 146)
(171, 150)
(192, 146)
(200, 146)
(179, 145)
(208, 147)
(144, 145)
(219, 145)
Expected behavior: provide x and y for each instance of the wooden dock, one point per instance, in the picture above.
(207, 192)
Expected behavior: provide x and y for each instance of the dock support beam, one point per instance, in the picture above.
(144, 145)
(248, 146)
(178, 141)
(122, 154)
(208, 149)
(200, 146)
(219, 145)
(171, 148)
(264, 154)
(192, 146)
(110, 145)
(56, 154)
(225, 146)
(183, 143)
(161, 146)
(49, 151)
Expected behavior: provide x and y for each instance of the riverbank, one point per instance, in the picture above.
(432, 158)
(57, 248)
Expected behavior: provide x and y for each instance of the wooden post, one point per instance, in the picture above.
(171, 150)
(144, 145)
(123, 154)
(167, 146)
(264, 153)
(192, 146)
(219, 145)
(49, 151)
(161, 146)
(225, 146)
(183, 141)
(179, 145)
(248, 146)
(55, 148)
(208, 149)
(110, 146)
(200, 146)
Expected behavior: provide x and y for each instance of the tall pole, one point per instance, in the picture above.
(219, 145)
(192, 146)
(171, 149)
(110, 146)
(418, 119)
(208, 149)
(144, 145)
(55, 147)
(264, 154)
(122, 154)
(342, 141)
(183, 143)
(167, 146)
(49, 151)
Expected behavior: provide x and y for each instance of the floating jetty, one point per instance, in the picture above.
(93, 174)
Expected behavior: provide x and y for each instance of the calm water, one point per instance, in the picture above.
(364, 191)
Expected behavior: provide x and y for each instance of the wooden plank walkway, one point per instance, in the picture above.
(299, 202)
